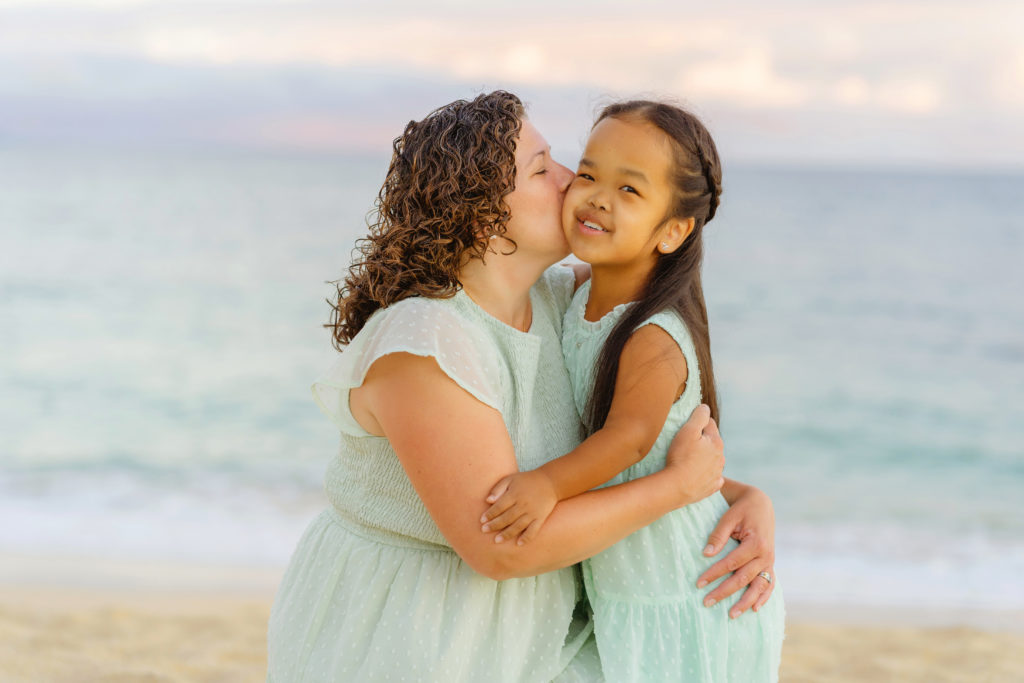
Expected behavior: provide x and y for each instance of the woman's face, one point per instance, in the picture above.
(536, 203)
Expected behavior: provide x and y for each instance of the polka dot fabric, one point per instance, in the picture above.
(649, 618)
(423, 327)
(373, 591)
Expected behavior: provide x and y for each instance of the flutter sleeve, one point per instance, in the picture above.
(422, 327)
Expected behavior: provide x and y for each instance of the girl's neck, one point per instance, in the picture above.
(501, 287)
(611, 286)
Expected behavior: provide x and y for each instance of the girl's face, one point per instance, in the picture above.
(536, 203)
(614, 210)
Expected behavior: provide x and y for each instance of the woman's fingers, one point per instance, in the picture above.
(750, 596)
(711, 430)
(741, 578)
(765, 594)
(725, 528)
(739, 556)
(698, 421)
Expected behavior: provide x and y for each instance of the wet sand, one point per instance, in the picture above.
(206, 626)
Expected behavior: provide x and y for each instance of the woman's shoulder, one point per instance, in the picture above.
(556, 286)
(415, 311)
(429, 328)
(424, 326)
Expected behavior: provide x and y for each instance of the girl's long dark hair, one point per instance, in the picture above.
(675, 282)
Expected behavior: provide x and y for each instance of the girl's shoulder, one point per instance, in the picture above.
(673, 324)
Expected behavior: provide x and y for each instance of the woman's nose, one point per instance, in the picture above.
(565, 176)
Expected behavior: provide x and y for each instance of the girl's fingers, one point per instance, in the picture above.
(502, 521)
(531, 532)
(500, 506)
(514, 529)
(499, 489)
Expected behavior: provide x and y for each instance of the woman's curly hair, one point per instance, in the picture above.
(442, 201)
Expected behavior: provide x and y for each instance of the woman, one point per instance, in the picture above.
(451, 378)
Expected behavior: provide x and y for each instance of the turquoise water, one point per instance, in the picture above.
(160, 320)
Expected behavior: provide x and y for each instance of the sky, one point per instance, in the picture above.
(792, 81)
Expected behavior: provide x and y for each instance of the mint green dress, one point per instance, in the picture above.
(649, 618)
(373, 591)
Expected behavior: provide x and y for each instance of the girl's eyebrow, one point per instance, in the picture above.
(631, 172)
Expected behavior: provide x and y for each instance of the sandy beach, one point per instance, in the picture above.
(209, 625)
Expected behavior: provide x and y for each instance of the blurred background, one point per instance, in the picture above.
(178, 181)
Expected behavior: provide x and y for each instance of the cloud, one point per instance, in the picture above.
(748, 78)
(310, 73)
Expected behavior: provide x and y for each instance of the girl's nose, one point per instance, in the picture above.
(597, 200)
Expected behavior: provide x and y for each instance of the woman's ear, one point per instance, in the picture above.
(674, 233)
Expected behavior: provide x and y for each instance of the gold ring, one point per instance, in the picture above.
(766, 576)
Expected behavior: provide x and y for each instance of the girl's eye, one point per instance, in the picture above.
(585, 176)
(629, 188)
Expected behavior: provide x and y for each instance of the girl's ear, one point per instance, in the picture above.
(674, 233)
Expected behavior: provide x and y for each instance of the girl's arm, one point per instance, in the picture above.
(651, 376)
(454, 447)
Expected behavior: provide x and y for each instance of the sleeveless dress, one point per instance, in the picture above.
(373, 591)
(649, 617)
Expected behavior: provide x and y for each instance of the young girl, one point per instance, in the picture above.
(635, 340)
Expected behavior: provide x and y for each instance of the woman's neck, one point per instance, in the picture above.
(501, 286)
(611, 286)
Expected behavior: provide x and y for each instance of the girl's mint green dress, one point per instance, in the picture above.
(649, 618)
(373, 591)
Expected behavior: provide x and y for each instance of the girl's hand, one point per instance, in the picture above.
(521, 503)
(751, 521)
(696, 457)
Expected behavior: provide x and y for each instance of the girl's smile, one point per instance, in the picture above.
(589, 223)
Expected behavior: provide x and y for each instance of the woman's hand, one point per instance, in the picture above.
(521, 502)
(696, 457)
(751, 521)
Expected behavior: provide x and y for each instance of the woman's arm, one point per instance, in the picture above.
(454, 448)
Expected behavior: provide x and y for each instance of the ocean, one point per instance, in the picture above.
(161, 319)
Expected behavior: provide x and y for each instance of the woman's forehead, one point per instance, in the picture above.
(530, 142)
